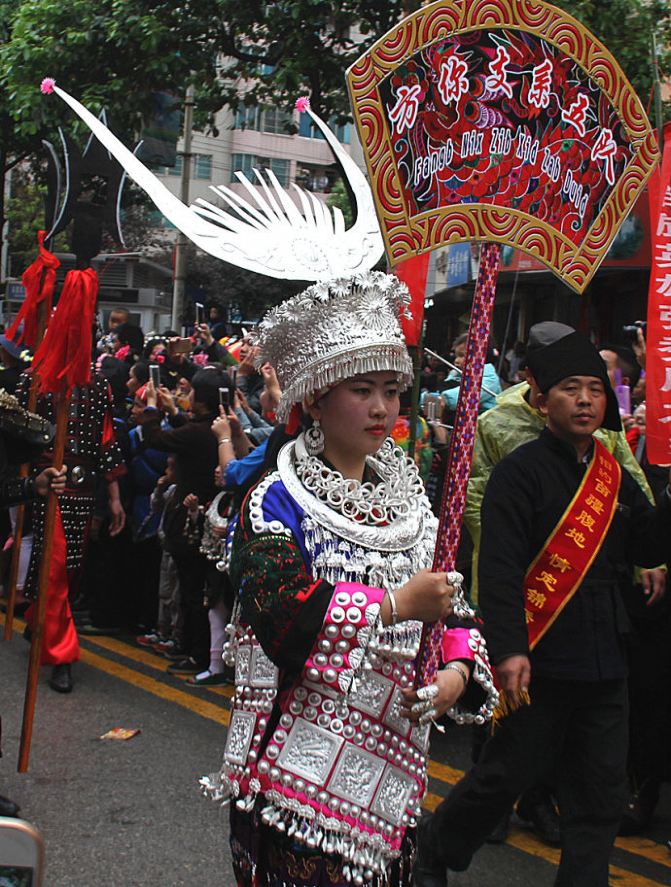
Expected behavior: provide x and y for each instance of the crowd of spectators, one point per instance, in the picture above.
(196, 425)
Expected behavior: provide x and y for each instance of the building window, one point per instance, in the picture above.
(202, 166)
(175, 170)
(246, 163)
(247, 117)
(274, 120)
(271, 120)
(308, 130)
(316, 178)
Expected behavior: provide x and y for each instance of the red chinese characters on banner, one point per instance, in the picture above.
(658, 337)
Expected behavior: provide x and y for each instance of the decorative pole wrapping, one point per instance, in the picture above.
(461, 447)
(62, 361)
(39, 280)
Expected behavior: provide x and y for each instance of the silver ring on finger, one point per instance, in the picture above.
(429, 691)
(421, 707)
(428, 716)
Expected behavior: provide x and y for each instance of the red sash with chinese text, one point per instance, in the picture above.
(556, 573)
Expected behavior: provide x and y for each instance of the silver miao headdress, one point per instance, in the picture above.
(348, 322)
(333, 331)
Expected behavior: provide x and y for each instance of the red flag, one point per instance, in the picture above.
(63, 360)
(413, 273)
(39, 279)
(658, 334)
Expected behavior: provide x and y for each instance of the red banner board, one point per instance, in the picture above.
(486, 120)
(658, 334)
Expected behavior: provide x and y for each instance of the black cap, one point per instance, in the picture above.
(541, 335)
(575, 355)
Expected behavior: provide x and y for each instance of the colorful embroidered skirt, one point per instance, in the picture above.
(263, 857)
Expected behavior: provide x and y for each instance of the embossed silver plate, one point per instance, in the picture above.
(393, 717)
(356, 775)
(239, 738)
(371, 694)
(310, 751)
(391, 799)
(420, 737)
(243, 658)
(264, 672)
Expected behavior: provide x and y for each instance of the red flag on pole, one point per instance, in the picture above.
(658, 334)
(39, 280)
(413, 273)
(63, 360)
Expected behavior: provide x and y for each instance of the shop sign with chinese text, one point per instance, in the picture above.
(504, 121)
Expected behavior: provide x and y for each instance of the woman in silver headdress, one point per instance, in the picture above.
(325, 760)
(325, 756)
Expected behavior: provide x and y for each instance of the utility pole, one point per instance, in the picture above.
(180, 246)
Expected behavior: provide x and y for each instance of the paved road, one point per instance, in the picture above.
(128, 814)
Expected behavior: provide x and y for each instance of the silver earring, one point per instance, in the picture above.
(314, 439)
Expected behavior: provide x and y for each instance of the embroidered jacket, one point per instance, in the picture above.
(316, 726)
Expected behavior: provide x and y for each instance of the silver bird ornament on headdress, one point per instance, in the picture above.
(267, 233)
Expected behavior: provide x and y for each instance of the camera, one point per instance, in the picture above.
(630, 332)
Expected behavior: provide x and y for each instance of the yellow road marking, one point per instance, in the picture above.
(645, 847)
(530, 845)
(149, 659)
(200, 706)
(523, 841)
(638, 846)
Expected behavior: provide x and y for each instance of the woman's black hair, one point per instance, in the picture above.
(129, 334)
(116, 373)
(141, 371)
(206, 384)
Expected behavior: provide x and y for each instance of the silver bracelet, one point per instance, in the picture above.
(452, 666)
(224, 440)
(394, 608)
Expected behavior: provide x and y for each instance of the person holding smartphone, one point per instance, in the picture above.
(196, 457)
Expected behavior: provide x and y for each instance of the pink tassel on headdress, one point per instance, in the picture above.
(302, 104)
(47, 86)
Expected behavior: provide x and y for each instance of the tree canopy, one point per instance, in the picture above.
(118, 53)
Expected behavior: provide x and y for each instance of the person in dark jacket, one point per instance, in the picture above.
(562, 525)
(23, 434)
(195, 451)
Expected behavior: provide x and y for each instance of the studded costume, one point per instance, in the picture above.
(326, 777)
(91, 453)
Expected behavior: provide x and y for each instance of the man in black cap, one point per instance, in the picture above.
(516, 420)
(562, 523)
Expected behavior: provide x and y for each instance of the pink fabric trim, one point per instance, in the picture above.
(455, 644)
(349, 603)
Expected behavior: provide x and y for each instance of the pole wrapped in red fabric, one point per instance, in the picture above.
(39, 279)
(413, 273)
(658, 335)
(63, 360)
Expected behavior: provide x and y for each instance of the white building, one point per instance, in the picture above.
(255, 138)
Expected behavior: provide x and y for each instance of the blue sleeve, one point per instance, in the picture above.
(239, 471)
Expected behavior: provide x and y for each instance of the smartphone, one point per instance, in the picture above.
(155, 374)
(224, 398)
(200, 313)
(431, 408)
(233, 372)
(180, 346)
(21, 853)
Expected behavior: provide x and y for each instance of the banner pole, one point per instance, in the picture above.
(458, 470)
